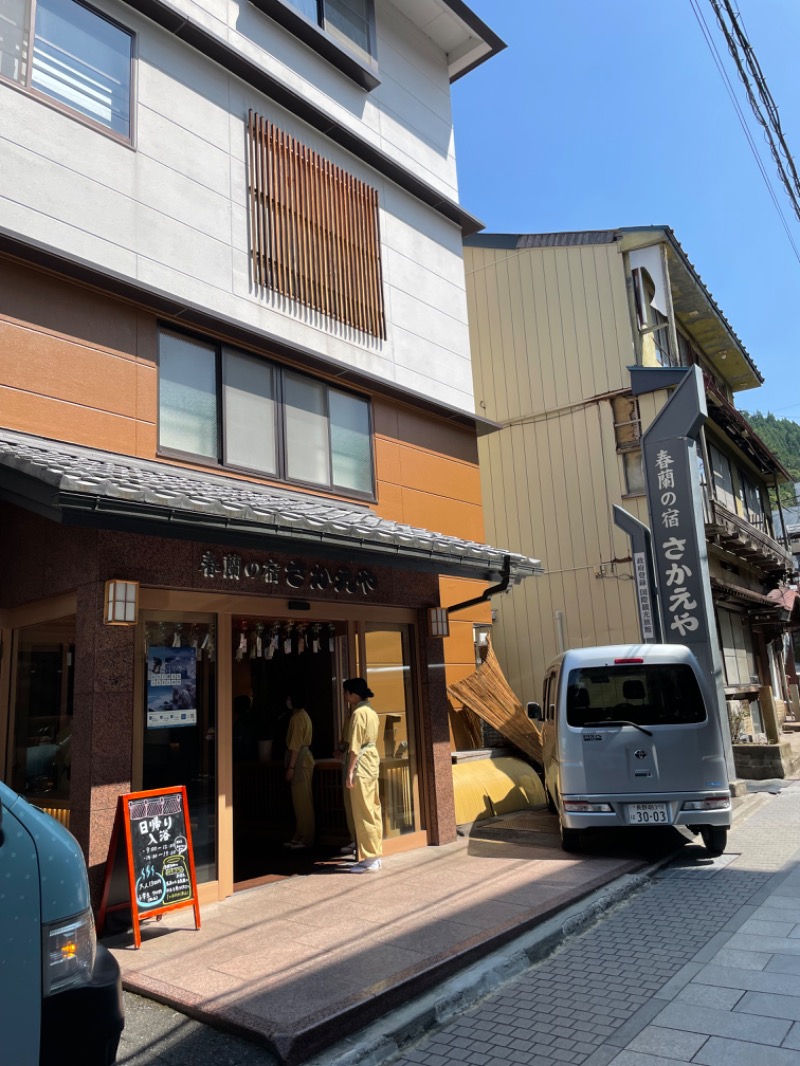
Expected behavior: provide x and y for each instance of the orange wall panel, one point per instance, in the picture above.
(443, 515)
(58, 420)
(387, 460)
(36, 362)
(436, 473)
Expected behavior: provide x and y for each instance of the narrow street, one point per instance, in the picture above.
(699, 966)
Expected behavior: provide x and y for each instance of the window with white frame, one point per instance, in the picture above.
(71, 54)
(227, 407)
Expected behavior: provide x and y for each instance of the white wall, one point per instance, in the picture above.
(172, 213)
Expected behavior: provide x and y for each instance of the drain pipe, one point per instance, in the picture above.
(488, 593)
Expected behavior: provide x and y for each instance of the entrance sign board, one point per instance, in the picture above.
(680, 552)
(643, 572)
(158, 858)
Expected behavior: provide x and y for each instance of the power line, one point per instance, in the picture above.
(772, 122)
(742, 121)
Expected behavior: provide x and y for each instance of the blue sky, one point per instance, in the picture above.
(605, 113)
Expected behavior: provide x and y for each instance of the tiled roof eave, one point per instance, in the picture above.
(83, 486)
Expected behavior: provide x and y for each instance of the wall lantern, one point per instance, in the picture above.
(122, 603)
(438, 622)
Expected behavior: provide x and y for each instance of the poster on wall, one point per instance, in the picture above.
(171, 687)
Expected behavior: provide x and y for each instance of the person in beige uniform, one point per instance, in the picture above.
(363, 766)
(300, 771)
(349, 850)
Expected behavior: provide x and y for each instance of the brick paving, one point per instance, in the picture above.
(698, 967)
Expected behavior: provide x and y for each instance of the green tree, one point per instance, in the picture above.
(781, 436)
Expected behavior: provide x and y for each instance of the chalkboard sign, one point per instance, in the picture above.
(159, 858)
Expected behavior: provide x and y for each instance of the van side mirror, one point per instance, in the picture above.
(535, 712)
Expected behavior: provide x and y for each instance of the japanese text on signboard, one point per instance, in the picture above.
(295, 574)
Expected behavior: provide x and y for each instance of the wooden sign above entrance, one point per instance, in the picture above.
(295, 574)
(158, 858)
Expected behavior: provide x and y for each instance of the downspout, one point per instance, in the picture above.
(488, 593)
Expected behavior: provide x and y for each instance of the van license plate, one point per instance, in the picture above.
(647, 814)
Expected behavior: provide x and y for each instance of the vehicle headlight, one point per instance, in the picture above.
(69, 950)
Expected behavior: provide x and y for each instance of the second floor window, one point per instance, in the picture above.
(347, 20)
(223, 406)
(71, 54)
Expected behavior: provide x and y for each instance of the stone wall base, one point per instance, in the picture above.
(756, 762)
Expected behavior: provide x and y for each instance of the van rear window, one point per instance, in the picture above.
(646, 694)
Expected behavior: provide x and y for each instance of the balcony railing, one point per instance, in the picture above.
(741, 538)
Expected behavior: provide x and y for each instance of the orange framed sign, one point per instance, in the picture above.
(158, 858)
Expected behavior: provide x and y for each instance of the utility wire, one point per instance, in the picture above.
(736, 39)
(743, 122)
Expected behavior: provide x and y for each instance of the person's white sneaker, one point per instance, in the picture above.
(348, 849)
(366, 866)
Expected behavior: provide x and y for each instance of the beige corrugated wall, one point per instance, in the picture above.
(551, 340)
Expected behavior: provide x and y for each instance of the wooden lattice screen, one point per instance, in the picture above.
(314, 230)
(489, 695)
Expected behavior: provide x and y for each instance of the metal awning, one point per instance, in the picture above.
(74, 485)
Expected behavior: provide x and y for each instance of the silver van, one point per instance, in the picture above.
(631, 737)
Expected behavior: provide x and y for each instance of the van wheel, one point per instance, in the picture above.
(570, 839)
(715, 839)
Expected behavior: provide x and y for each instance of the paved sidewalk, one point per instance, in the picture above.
(702, 965)
(301, 963)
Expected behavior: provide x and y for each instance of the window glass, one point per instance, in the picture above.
(307, 8)
(307, 450)
(188, 396)
(351, 447)
(248, 396)
(634, 472)
(723, 478)
(84, 61)
(41, 753)
(180, 722)
(14, 17)
(388, 670)
(349, 20)
(646, 694)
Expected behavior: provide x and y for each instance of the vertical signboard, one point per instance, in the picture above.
(646, 597)
(159, 860)
(680, 554)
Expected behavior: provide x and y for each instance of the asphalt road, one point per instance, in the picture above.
(156, 1035)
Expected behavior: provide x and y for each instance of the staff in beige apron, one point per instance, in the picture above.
(363, 767)
(300, 771)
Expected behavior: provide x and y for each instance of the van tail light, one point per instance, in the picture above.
(584, 807)
(710, 803)
(624, 662)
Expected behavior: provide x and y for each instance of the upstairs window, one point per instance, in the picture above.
(71, 54)
(223, 406)
(349, 21)
(653, 322)
(314, 230)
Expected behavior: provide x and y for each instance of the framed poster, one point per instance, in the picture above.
(171, 687)
(158, 855)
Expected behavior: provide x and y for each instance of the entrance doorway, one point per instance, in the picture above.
(273, 657)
